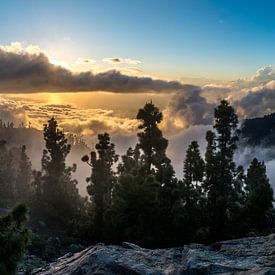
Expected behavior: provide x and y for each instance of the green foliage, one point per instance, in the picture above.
(14, 238)
(15, 175)
(151, 141)
(259, 198)
(151, 207)
(56, 199)
(146, 187)
(23, 177)
(191, 193)
(48, 248)
(137, 199)
(134, 211)
(193, 164)
(101, 181)
(220, 169)
(6, 176)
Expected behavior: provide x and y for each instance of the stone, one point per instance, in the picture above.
(248, 256)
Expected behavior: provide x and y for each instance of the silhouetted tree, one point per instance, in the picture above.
(102, 180)
(23, 177)
(7, 175)
(193, 164)
(146, 204)
(14, 238)
(191, 193)
(56, 196)
(259, 198)
(220, 169)
(153, 152)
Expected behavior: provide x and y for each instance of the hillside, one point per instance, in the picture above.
(259, 131)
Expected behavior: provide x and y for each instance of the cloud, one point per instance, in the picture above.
(179, 143)
(264, 74)
(119, 60)
(261, 77)
(77, 120)
(31, 70)
(258, 101)
(85, 61)
(186, 109)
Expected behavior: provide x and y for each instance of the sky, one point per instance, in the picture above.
(221, 40)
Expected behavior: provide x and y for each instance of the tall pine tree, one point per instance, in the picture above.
(23, 177)
(101, 181)
(220, 169)
(259, 198)
(56, 198)
(7, 176)
(191, 193)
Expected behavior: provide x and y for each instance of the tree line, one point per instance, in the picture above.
(137, 197)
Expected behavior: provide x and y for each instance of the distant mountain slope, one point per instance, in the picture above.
(259, 131)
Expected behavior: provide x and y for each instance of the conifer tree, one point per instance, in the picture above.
(153, 147)
(220, 169)
(135, 210)
(130, 161)
(102, 180)
(23, 177)
(143, 196)
(56, 196)
(7, 176)
(259, 198)
(193, 165)
(186, 211)
(152, 143)
(14, 238)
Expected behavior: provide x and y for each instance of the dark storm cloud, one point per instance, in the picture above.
(25, 72)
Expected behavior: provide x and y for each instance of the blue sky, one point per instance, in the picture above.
(212, 39)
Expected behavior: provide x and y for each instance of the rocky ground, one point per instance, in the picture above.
(243, 256)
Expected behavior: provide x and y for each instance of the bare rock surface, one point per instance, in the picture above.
(253, 256)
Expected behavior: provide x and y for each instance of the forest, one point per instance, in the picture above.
(135, 197)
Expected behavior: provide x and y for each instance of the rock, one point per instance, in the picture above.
(249, 256)
(75, 248)
(130, 246)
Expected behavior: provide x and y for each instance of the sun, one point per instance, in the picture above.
(54, 98)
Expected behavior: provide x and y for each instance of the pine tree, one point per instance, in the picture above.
(193, 165)
(7, 176)
(259, 198)
(210, 184)
(220, 170)
(145, 191)
(134, 213)
(191, 192)
(153, 147)
(102, 180)
(14, 239)
(150, 139)
(130, 161)
(56, 196)
(23, 177)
